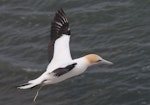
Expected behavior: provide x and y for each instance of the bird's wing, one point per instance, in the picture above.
(61, 71)
(58, 48)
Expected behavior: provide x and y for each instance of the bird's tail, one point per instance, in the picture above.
(28, 85)
(32, 84)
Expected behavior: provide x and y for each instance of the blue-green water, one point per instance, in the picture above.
(118, 30)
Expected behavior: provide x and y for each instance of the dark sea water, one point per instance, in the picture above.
(118, 30)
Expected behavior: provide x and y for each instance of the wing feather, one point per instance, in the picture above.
(61, 71)
(59, 27)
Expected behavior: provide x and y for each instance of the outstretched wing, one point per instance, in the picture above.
(58, 48)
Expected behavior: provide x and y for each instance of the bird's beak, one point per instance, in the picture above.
(103, 61)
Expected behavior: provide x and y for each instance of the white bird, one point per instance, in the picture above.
(61, 65)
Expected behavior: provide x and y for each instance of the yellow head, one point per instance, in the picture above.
(95, 59)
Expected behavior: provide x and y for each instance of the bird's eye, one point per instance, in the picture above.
(99, 60)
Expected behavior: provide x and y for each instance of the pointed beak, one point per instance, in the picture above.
(103, 61)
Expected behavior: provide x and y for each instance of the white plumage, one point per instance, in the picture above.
(62, 66)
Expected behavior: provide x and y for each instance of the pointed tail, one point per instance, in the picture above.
(30, 84)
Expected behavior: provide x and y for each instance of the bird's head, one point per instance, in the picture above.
(96, 59)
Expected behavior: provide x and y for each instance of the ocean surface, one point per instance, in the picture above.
(117, 30)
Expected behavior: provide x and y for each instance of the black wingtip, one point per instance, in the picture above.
(60, 16)
(60, 24)
(61, 10)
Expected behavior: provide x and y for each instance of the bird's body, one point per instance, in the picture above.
(58, 72)
(61, 65)
(78, 67)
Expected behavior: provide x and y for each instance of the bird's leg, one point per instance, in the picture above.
(37, 93)
(38, 90)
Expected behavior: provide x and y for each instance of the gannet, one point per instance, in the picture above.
(61, 65)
